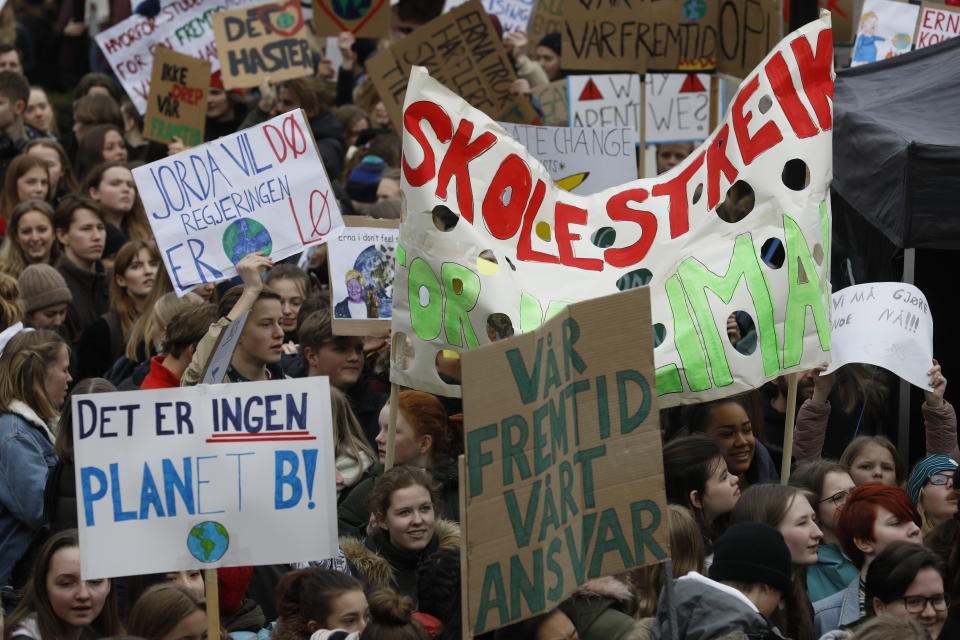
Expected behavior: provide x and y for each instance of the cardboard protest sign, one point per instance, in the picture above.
(513, 14)
(546, 17)
(360, 264)
(206, 477)
(182, 25)
(938, 22)
(695, 234)
(178, 98)
(580, 159)
(842, 14)
(553, 102)
(887, 324)
(268, 40)
(462, 51)
(363, 18)
(219, 362)
(885, 30)
(609, 100)
(676, 107)
(260, 189)
(570, 449)
(746, 31)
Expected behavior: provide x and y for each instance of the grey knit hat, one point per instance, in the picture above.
(42, 286)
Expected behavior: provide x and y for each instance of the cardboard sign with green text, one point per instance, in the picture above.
(564, 475)
(268, 40)
(177, 105)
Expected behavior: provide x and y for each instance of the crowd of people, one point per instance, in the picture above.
(854, 547)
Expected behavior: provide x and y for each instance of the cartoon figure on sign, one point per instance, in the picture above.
(208, 541)
(354, 306)
(246, 236)
(352, 9)
(865, 49)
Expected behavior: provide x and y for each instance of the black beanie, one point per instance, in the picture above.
(752, 552)
(551, 41)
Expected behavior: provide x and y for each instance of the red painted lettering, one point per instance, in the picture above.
(815, 74)
(442, 127)
(564, 216)
(718, 161)
(504, 218)
(676, 190)
(525, 250)
(618, 209)
(767, 136)
(783, 88)
(459, 154)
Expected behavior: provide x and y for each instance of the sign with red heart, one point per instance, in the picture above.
(363, 18)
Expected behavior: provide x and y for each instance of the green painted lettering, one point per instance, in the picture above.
(426, 317)
(461, 286)
(643, 535)
(801, 295)
(627, 422)
(513, 451)
(609, 538)
(493, 596)
(477, 459)
(527, 383)
(523, 525)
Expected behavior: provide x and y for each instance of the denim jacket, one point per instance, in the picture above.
(26, 457)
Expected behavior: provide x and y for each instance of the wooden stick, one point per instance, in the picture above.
(392, 427)
(213, 603)
(791, 413)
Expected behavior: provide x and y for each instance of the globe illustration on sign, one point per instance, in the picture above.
(376, 265)
(352, 9)
(245, 236)
(208, 541)
(694, 9)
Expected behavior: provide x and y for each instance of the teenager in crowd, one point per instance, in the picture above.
(354, 456)
(59, 603)
(136, 586)
(39, 114)
(391, 618)
(873, 516)
(669, 155)
(353, 119)
(59, 169)
(34, 376)
(548, 56)
(148, 334)
(45, 297)
(908, 580)
(134, 276)
(552, 625)
(406, 530)
(293, 285)
(181, 336)
(931, 488)
(11, 309)
(310, 600)
(168, 612)
(226, 110)
(92, 110)
(687, 553)
(81, 232)
(98, 84)
(111, 184)
(789, 510)
(829, 482)
(14, 95)
(425, 438)
(26, 178)
(30, 238)
(102, 143)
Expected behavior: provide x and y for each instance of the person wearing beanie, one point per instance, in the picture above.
(44, 295)
(363, 181)
(749, 577)
(548, 55)
(931, 488)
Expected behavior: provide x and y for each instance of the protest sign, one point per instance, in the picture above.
(842, 13)
(676, 107)
(178, 98)
(182, 25)
(363, 18)
(512, 14)
(580, 159)
(546, 17)
(204, 478)
(886, 29)
(938, 22)
(360, 264)
(887, 324)
(462, 51)
(608, 100)
(219, 362)
(553, 102)
(566, 465)
(695, 234)
(268, 40)
(260, 189)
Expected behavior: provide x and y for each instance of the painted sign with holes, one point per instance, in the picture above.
(490, 247)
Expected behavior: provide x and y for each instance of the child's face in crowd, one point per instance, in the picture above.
(117, 190)
(262, 336)
(341, 359)
(722, 491)
(939, 500)
(874, 464)
(409, 519)
(291, 299)
(35, 183)
(9, 110)
(800, 531)
(58, 378)
(77, 602)
(730, 426)
(52, 158)
(836, 485)
(114, 147)
(51, 317)
(85, 237)
(141, 275)
(927, 584)
(39, 113)
(35, 236)
(348, 611)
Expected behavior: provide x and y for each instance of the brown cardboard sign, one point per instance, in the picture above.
(564, 475)
(841, 16)
(462, 51)
(265, 40)
(546, 17)
(363, 18)
(177, 105)
(746, 31)
(553, 102)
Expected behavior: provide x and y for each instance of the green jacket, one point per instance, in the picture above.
(597, 610)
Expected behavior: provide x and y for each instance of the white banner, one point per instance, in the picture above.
(676, 107)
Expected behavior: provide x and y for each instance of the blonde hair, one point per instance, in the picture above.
(24, 373)
(348, 436)
(353, 274)
(11, 309)
(867, 16)
(686, 552)
(161, 312)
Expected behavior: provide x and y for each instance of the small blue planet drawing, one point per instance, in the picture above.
(208, 541)
(245, 236)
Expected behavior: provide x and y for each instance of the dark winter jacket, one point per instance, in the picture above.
(91, 297)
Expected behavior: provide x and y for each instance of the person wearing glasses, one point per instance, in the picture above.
(829, 482)
(931, 488)
(908, 580)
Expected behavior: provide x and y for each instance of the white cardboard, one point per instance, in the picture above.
(605, 100)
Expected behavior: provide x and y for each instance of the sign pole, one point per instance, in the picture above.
(392, 427)
(213, 603)
(791, 413)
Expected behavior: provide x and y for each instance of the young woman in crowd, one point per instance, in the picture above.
(92, 110)
(789, 510)
(406, 530)
(59, 168)
(426, 439)
(146, 336)
(312, 599)
(354, 456)
(45, 296)
(931, 488)
(30, 238)
(111, 185)
(34, 376)
(873, 516)
(136, 586)
(353, 119)
(59, 603)
(548, 56)
(829, 482)
(391, 618)
(26, 178)
(226, 110)
(39, 114)
(168, 612)
(293, 285)
(103, 143)
(82, 235)
(134, 276)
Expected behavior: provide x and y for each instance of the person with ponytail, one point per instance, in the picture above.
(391, 618)
(34, 377)
(316, 599)
(168, 612)
(426, 438)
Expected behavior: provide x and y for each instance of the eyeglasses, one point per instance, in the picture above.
(916, 604)
(837, 498)
(940, 479)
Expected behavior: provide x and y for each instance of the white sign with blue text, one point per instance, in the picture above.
(260, 189)
(212, 476)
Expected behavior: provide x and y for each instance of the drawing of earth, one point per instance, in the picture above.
(376, 265)
(694, 9)
(245, 236)
(208, 541)
(352, 9)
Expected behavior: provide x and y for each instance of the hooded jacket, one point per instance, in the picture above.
(600, 609)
